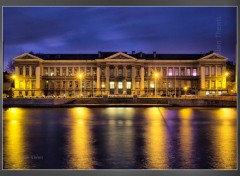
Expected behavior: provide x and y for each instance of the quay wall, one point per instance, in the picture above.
(66, 102)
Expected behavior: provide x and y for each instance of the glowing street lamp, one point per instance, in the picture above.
(155, 76)
(185, 89)
(80, 77)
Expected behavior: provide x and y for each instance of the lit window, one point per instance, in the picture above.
(120, 72)
(52, 71)
(21, 84)
(111, 85)
(129, 85)
(103, 85)
(46, 71)
(120, 85)
(170, 71)
(176, 71)
(207, 71)
(58, 71)
(27, 84)
(69, 71)
(188, 71)
(194, 72)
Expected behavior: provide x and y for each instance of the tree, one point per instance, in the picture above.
(10, 66)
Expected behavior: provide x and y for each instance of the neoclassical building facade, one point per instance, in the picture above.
(119, 73)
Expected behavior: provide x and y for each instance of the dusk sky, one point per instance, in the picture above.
(166, 30)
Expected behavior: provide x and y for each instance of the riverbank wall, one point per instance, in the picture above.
(98, 102)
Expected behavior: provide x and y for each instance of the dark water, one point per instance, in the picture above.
(119, 138)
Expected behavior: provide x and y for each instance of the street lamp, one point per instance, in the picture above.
(156, 76)
(80, 77)
(185, 89)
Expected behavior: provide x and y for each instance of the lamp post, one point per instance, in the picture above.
(226, 75)
(155, 76)
(185, 89)
(80, 77)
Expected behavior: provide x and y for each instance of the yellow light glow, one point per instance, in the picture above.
(14, 145)
(13, 76)
(226, 73)
(156, 139)
(185, 88)
(80, 76)
(156, 75)
(80, 148)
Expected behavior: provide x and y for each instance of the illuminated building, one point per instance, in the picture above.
(119, 73)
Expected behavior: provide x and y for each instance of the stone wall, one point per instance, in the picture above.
(117, 101)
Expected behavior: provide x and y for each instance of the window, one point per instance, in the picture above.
(188, 71)
(170, 72)
(94, 71)
(64, 84)
(45, 71)
(129, 72)
(219, 84)
(206, 71)
(137, 71)
(75, 70)
(51, 84)
(33, 93)
(164, 71)
(51, 71)
(21, 84)
(103, 85)
(33, 71)
(102, 71)
(33, 84)
(26, 93)
(27, 71)
(206, 84)
(88, 71)
(58, 71)
(27, 84)
(129, 85)
(64, 71)
(111, 72)
(182, 71)
(213, 84)
(46, 84)
(76, 84)
(137, 85)
(20, 71)
(213, 71)
(70, 84)
(219, 71)
(120, 72)
(70, 73)
(176, 71)
(58, 84)
(194, 72)
(120, 85)
(111, 85)
(146, 71)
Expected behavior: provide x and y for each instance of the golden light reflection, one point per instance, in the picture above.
(186, 136)
(156, 139)
(14, 147)
(80, 148)
(225, 139)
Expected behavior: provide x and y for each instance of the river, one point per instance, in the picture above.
(120, 138)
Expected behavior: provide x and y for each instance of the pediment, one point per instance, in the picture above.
(27, 56)
(120, 56)
(213, 56)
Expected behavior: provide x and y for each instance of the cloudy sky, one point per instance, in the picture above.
(93, 29)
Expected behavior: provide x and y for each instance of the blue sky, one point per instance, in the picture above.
(92, 29)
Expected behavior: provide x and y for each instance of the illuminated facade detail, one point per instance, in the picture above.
(119, 73)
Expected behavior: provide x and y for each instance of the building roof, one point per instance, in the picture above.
(102, 55)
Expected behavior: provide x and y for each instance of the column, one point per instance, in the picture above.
(202, 77)
(142, 81)
(107, 75)
(38, 82)
(133, 80)
(98, 80)
(124, 80)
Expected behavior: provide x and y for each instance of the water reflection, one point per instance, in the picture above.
(156, 139)
(14, 139)
(79, 150)
(119, 138)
